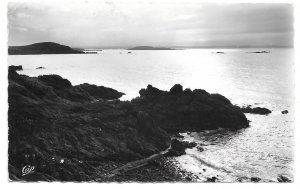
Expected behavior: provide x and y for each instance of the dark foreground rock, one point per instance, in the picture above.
(70, 133)
(42, 48)
(256, 110)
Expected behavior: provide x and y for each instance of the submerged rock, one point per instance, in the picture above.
(255, 179)
(282, 178)
(40, 67)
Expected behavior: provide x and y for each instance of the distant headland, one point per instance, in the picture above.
(42, 48)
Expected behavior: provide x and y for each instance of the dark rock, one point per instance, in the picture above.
(40, 67)
(282, 178)
(15, 68)
(44, 129)
(220, 52)
(128, 52)
(242, 179)
(42, 48)
(50, 120)
(184, 110)
(200, 149)
(176, 89)
(178, 147)
(212, 179)
(55, 81)
(181, 145)
(188, 178)
(285, 112)
(255, 179)
(256, 110)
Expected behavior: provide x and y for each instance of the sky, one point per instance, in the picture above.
(176, 24)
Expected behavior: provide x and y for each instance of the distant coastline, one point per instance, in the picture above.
(42, 48)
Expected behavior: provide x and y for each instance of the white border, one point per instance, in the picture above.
(4, 107)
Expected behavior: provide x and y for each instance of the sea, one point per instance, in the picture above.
(264, 150)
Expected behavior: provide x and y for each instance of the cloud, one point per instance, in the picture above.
(163, 24)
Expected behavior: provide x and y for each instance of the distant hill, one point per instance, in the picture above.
(42, 48)
(150, 48)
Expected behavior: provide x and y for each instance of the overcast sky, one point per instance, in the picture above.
(166, 24)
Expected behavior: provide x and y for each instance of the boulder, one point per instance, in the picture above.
(284, 111)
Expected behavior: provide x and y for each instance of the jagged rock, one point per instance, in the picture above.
(186, 110)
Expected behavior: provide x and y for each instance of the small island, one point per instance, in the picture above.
(42, 48)
(150, 48)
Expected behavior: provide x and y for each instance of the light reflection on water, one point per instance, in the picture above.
(264, 150)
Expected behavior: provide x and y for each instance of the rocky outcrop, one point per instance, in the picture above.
(50, 120)
(42, 48)
(256, 110)
(178, 147)
(15, 68)
(68, 131)
(181, 110)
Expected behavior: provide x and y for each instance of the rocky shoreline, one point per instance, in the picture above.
(83, 132)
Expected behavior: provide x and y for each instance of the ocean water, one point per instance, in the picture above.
(264, 150)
